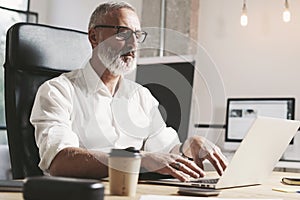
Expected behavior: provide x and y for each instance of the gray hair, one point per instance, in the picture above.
(105, 8)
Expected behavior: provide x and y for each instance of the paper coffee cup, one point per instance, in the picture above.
(124, 167)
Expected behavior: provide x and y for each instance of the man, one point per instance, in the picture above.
(79, 116)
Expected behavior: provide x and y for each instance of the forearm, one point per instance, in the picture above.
(80, 163)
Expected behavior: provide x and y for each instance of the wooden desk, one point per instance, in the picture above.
(261, 191)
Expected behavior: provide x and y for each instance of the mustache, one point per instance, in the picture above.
(128, 51)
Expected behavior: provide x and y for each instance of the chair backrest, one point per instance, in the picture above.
(171, 83)
(34, 54)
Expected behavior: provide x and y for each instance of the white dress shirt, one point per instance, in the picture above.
(76, 109)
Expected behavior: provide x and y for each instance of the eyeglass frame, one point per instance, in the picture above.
(125, 27)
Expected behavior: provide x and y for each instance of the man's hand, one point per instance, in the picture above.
(198, 148)
(172, 164)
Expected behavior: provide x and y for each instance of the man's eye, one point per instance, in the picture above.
(124, 34)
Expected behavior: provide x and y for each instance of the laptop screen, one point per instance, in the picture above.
(241, 113)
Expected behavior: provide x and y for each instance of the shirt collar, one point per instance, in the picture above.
(93, 81)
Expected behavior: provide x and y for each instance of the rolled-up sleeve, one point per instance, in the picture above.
(51, 119)
(163, 141)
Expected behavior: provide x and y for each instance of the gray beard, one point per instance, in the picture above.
(113, 61)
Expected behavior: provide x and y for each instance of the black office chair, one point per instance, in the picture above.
(171, 83)
(34, 54)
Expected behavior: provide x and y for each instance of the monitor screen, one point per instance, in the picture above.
(241, 113)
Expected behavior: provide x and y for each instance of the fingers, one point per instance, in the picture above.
(215, 162)
(201, 149)
(183, 169)
(218, 160)
(191, 168)
(176, 173)
(221, 158)
(171, 164)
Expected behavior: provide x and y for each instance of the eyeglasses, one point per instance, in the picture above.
(124, 33)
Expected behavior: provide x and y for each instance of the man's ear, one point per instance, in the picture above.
(93, 37)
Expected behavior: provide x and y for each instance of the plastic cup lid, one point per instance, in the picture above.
(128, 152)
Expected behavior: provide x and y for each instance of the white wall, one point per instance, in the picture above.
(260, 60)
(70, 13)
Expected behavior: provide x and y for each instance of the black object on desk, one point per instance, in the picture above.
(62, 188)
(205, 192)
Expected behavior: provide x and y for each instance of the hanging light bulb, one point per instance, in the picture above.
(286, 15)
(244, 17)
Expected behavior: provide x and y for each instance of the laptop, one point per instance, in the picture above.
(255, 158)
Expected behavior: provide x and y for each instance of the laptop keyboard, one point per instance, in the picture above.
(205, 181)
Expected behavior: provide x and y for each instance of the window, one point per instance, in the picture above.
(11, 12)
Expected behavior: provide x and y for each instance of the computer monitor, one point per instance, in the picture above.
(241, 113)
